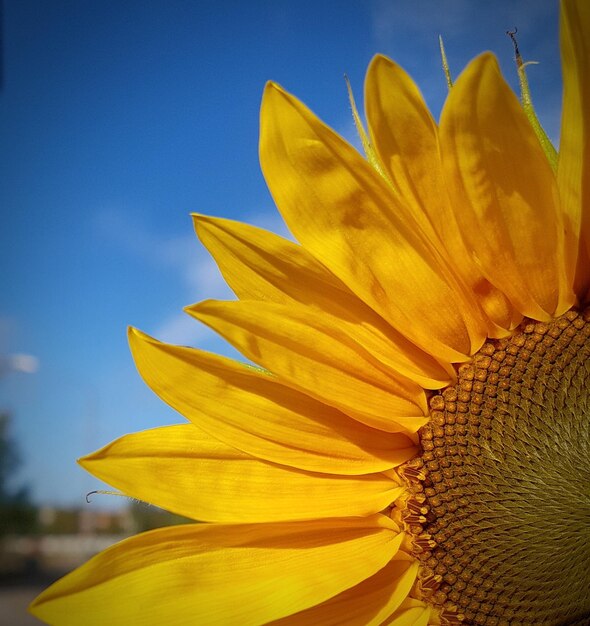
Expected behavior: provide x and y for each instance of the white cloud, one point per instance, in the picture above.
(204, 280)
(183, 254)
(451, 18)
(188, 259)
(10, 360)
(389, 19)
(269, 220)
(26, 363)
(181, 329)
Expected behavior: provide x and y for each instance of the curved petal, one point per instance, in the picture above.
(322, 361)
(573, 172)
(220, 574)
(184, 470)
(366, 604)
(253, 412)
(259, 265)
(346, 215)
(411, 613)
(504, 191)
(406, 139)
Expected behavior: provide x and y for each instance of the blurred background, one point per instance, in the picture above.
(119, 119)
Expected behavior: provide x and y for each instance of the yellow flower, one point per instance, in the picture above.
(415, 450)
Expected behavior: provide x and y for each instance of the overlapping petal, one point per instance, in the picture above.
(573, 173)
(323, 361)
(412, 612)
(367, 604)
(259, 265)
(253, 412)
(219, 574)
(347, 216)
(500, 177)
(405, 137)
(184, 470)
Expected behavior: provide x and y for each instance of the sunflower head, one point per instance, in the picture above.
(505, 505)
(412, 447)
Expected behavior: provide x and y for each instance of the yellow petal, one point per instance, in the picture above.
(220, 574)
(253, 412)
(259, 265)
(184, 470)
(366, 604)
(573, 172)
(297, 345)
(406, 138)
(411, 613)
(504, 191)
(346, 215)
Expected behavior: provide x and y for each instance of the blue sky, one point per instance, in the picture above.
(118, 120)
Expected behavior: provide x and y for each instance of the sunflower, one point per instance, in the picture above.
(413, 448)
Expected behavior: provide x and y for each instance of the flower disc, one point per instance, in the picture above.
(504, 481)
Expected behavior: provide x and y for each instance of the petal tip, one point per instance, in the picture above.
(198, 217)
(189, 309)
(273, 92)
(133, 334)
(272, 85)
(200, 223)
(488, 61)
(271, 89)
(136, 337)
(377, 60)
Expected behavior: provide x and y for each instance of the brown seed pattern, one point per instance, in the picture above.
(501, 505)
